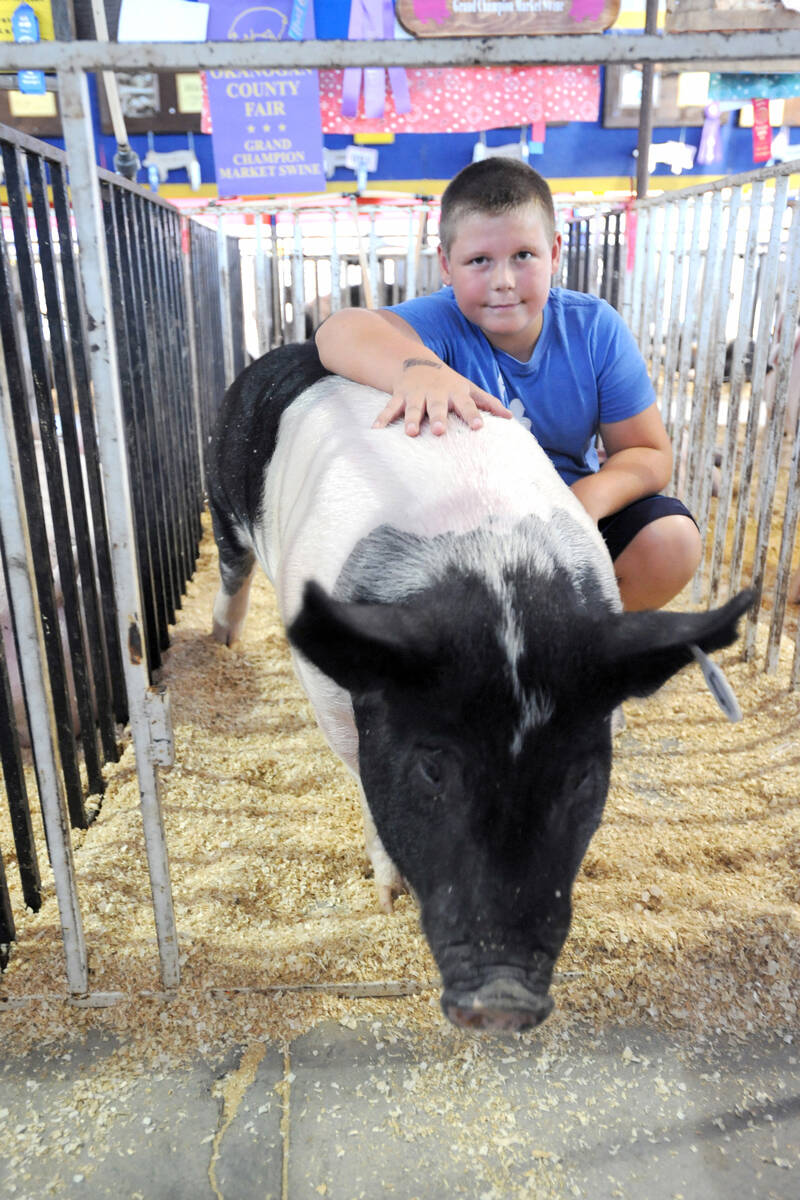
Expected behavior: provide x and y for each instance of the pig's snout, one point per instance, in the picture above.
(502, 1005)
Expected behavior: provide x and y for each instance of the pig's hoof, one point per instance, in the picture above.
(617, 721)
(223, 634)
(387, 894)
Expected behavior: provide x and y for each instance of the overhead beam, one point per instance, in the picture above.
(568, 49)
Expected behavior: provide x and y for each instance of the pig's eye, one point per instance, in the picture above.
(429, 767)
(583, 777)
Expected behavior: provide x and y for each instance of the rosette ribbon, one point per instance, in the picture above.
(710, 148)
(374, 20)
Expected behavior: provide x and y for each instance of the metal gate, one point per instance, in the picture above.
(711, 289)
(101, 494)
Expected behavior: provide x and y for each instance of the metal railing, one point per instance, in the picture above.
(79, 477)
(294, 266)
(714, 303)
(196, 306)
(710, 286)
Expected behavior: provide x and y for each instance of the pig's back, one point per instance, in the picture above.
(333, 479)
(246, 430)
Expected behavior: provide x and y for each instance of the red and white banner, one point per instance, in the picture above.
(762, 131)
(469, 99)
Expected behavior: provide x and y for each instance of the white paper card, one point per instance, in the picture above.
(162, 21)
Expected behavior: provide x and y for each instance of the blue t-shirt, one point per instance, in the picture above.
(585, 370)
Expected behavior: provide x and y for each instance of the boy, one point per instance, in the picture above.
(497, 336)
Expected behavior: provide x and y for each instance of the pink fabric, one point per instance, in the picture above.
(631, 221)
(467, 99)
(431, 10)
(762, 131)
(587, 10)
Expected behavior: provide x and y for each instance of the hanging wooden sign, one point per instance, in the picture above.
(487, 18)
(690, 16)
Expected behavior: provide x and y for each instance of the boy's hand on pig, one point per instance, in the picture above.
(428, 387)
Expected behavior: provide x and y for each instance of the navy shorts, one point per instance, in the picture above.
(620, 528)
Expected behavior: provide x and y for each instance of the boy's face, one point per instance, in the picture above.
(500, 269)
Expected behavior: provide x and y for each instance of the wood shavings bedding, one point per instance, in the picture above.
(686, 909)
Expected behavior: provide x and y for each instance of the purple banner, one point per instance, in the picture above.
(267, 126)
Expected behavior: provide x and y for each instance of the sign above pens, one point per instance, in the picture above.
(267, 131)
(485, 18)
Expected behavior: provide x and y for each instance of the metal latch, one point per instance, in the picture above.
(159, 716)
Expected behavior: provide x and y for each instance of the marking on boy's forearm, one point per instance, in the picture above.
(420, 362)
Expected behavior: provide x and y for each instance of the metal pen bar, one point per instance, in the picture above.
(783, 368)
(207, 308)
(8, 932)
(791, 517)
(81, 604)
(76, 323)
(183, 393)
(665, 257)
(35, 513)
(263, 322)
(767, 282)
(743, 179)
(716, 295)
(79, 140)
(167, 243)
(279, 314)
(680, 433)
(150, 405)
(192, 365)
(649, 291)
(158, 435)
(672, 347)
(336, 268)
(17, 794)
(730, 439)
(41, 716)
(224, 300)
(637, 285)
(700, 408)
(236, 303)
(749, 48)
(605, 258)
(130, 344)
(208, 317)
(298, 283)
(717, 350)
(616, 264)
(735, 391)
(59, 500)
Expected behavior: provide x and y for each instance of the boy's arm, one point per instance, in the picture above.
(639, 464)
(381, 349)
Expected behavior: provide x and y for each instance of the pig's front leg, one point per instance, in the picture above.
(388, 879)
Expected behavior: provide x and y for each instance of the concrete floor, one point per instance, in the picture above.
(372, 1112)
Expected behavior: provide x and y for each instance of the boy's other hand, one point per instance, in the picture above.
(428, 387)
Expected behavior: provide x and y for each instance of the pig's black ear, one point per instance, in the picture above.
(641, 651)
(360, 645)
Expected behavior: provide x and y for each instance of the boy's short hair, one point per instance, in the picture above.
(493, 186)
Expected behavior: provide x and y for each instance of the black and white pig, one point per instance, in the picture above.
(456, 624)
